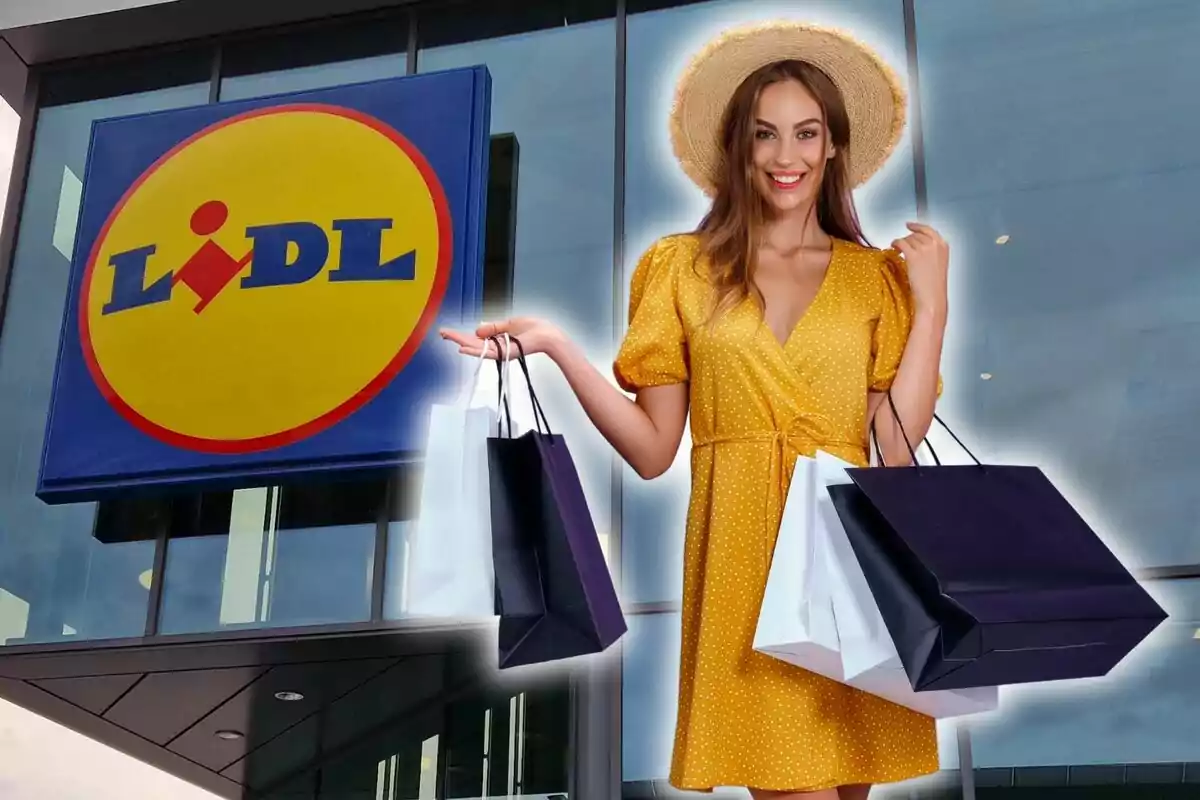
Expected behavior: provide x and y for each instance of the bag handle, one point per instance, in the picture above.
(539, 415)
(502, 370)
(537, 404)
(908, 442)
(470, 389)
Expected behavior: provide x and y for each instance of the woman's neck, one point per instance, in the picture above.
(796, 230)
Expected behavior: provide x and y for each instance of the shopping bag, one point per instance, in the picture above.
(985, 575)
(554, 593)
(795, 620)
(869, 658)
(450, 571)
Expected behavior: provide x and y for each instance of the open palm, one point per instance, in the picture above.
(536, 336)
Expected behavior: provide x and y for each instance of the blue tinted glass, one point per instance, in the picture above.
(283, 558)
(320, 76)
(660, 200)
(56, 581)
(1142, 712)
(395, 597)
(649, 690)
(1071, 131)
(555, 90)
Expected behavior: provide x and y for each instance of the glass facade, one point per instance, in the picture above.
(1050, 144)
(554, 91)
(58, 581)
(1076, 294)
(486, 743)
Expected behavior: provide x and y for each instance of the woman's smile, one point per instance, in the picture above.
(786, 181)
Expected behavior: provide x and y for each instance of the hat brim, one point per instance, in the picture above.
(875, 100)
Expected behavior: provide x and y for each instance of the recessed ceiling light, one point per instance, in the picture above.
(1002, 239)
(985, 376)
(146, 578)
(289, 697)
(230, 736)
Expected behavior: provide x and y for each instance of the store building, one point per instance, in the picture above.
(255, 641)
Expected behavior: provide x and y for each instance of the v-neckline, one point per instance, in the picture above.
(782, 345)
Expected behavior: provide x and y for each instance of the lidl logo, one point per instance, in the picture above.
(254, 284)
(303, 246)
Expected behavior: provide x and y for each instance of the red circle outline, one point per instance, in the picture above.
(348, 407)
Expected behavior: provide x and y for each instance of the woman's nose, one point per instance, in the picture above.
(786, 156)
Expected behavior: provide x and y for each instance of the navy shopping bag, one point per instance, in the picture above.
(554, 594)
(986, 575)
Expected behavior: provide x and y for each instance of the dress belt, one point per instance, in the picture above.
(798, 435)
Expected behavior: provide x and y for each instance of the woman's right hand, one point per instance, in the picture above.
(646, 432)
(536, 335)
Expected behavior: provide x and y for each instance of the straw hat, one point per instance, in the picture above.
(875, 100)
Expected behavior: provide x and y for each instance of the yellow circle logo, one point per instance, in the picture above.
(265, 279)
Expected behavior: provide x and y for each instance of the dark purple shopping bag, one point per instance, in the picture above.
(985, 575)
(554, 594)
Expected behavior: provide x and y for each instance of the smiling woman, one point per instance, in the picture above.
(776, 329)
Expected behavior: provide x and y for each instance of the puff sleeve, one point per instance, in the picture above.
(654, 350)
(892, 327)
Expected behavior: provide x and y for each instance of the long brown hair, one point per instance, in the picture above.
(732, 229)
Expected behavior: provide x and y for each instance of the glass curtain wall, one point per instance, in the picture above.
(1059, 154)
(58, 582)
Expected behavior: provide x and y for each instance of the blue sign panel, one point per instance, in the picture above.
(256, 286)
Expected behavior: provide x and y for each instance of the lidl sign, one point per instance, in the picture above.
(255, 285)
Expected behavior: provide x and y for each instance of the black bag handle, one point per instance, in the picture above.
(537, 404)
(908, 442)
(539, 415)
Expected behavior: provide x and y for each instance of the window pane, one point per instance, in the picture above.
(554, 91)
(314, 77)
(128, 76)
(659, 200)
(508, 744)
(57, 581)
(1142, 712)
(300, 555)
(497, 298)
(491, 741)
(1086, 317)
(649, 691)
(314, 57)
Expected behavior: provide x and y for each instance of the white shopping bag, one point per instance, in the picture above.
(796, 620)
(868, 656)
(450, 570)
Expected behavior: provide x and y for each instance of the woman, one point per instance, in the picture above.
(780, 331)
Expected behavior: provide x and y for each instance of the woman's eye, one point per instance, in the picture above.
(807, 134)
(763, 135)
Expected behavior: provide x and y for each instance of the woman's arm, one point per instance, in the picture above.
(914, 391)
(646, 432)
(915, 386)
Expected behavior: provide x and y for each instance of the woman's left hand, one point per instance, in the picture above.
(928, 258)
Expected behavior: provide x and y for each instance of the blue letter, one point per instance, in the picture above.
(129, 288)
(270, 266)
(362, 248)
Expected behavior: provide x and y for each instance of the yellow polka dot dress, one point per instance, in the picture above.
(746, 719)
